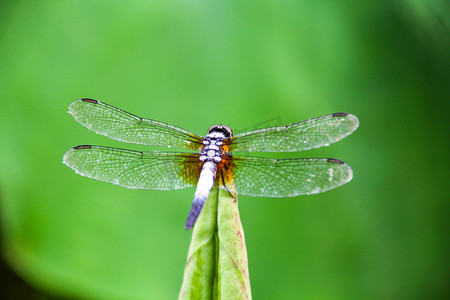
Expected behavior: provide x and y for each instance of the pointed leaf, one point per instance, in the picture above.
(217, 266)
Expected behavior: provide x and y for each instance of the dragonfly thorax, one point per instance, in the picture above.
(211, 151)
(212, 143)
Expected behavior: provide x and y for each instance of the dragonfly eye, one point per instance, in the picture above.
(226, 130)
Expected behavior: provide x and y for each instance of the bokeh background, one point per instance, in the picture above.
(199, 63)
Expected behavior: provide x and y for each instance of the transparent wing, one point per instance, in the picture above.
(122, 126)
(267, 177)
(133, 169)
(312, 133)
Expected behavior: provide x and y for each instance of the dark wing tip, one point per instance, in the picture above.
(335, 161)
(340, 114)
(89, 100)
(82, 147)
(351, 121)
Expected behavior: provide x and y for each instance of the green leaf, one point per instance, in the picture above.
(217, 265)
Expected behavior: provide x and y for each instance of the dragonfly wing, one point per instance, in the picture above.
(312, 133)
(276, 178)
(122, 126)
(151, 170)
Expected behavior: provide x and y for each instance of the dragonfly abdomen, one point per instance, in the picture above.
(204, 186)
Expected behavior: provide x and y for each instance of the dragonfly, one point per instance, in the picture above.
(210, 161)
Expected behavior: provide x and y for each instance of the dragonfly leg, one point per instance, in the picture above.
(226, 187)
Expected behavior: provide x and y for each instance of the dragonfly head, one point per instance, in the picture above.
(225, 130)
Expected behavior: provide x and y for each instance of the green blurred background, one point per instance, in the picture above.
(195, 64)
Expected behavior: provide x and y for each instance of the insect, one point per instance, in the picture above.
(211, 160)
